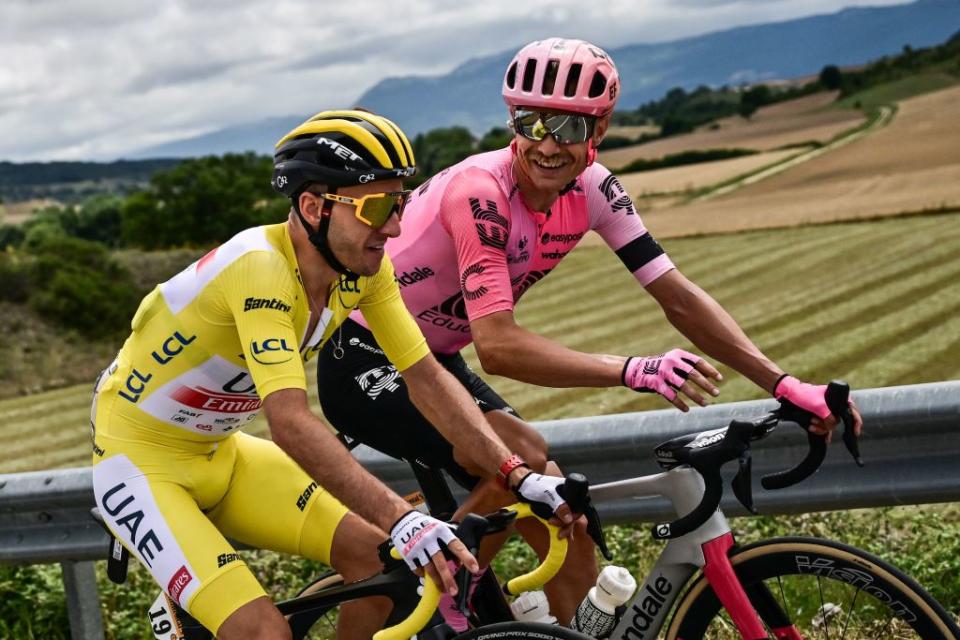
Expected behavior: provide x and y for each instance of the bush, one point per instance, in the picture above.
(684, 157)
(77, 284)
(14, 276)
(33, 604)
(11, 235)
(202, 201)
(615, 142)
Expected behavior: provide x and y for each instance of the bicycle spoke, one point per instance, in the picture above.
(823, 610)
(846, 622)
(886, 627)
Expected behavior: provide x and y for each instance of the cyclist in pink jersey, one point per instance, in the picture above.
(480, 234)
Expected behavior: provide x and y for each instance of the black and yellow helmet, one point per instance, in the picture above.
(339, 149)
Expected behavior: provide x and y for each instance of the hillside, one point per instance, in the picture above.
(71, 182)
(891, 316)
(795, 122)
(469, 95)
(911, 165)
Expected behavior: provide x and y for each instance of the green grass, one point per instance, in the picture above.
(877, 303)
(898, 90)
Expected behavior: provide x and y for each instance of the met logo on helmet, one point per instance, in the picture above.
(271, 351)
(339, 150)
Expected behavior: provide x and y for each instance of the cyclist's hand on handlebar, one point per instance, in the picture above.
(419, 538)
(812, 398)
(672, 372)
(541, 493)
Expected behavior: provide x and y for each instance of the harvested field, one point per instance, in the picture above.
(795, 122)
(700, 175)
(18, 212)
(633, 131)
(913, 164)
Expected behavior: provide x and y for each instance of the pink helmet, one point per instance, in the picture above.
(566, 75)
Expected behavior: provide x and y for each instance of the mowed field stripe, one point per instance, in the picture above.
(886, 312)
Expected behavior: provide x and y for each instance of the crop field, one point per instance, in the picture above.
(911, 165)
(890, 316)
(697, 176)
(790, 123)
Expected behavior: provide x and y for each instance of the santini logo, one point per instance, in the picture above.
(262, 303)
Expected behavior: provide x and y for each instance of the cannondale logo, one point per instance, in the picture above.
(367, 177)
(663, 530)
(281, 182)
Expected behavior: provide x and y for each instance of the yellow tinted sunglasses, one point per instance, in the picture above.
(373, 209)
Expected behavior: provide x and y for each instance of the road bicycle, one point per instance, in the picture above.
(785, 588)
(704, 585)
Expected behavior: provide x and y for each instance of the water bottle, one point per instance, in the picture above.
(532, 606)
(597, 614)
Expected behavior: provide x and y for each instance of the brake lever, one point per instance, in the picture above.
(741, 484)
(838, 399)
(470, 531)
(575, 492)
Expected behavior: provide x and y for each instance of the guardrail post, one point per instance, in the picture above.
(83, 600)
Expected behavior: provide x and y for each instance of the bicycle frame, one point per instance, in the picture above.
(706, 547)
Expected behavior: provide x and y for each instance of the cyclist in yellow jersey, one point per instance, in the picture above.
(173, 475)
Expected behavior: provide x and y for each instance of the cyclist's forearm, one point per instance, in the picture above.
(507, 349)
(309, 441)
(452, 410)
(714, 331)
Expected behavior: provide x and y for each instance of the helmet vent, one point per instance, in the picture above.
(597, 85)
(573, 79)
(550, 77)
(529, 71)
(512, 76)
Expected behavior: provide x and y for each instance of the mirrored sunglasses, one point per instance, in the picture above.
(565, 128)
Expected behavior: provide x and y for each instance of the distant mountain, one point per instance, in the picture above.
(470, 94)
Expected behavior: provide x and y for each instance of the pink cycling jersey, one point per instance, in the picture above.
(471, 247)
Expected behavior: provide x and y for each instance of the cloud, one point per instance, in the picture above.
(87, 79)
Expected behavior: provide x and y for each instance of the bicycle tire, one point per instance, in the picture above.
(522, 631)
(890, 601)
(302, 625)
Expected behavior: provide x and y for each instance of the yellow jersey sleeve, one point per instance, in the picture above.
(259, 291)
(392, 325)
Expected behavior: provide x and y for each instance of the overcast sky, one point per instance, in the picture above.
(92, 79)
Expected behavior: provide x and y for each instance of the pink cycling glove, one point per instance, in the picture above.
(662, 374)
(808, 397)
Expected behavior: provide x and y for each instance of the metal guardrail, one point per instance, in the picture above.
(911, 446)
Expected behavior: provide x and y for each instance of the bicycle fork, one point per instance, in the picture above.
(746, 605)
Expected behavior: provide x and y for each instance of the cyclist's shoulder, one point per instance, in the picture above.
(261, 253)
(480, 175)
(253, 259)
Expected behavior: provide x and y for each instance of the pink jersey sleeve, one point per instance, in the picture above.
(614, 217)
(475, 212)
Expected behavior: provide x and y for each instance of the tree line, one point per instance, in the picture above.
(60, 261)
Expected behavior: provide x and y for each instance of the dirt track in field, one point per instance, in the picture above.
(911, 165)
(795, 122)
(700, 175)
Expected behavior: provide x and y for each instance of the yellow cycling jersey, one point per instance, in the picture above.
(210, 343)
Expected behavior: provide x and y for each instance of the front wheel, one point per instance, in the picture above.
(522, 631)
(812, 588)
